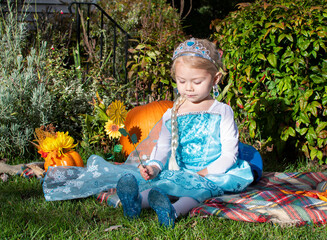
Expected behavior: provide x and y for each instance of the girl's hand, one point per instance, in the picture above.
(149, 172)
(203, 172)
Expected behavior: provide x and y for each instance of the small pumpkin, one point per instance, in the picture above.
(140, 120)
(71, 158)
(56, 148)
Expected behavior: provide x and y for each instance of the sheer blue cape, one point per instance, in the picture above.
(198, 147)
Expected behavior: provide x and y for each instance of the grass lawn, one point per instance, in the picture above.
(26, 215)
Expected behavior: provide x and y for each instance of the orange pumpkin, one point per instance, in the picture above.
(71, 158)
(140, 120)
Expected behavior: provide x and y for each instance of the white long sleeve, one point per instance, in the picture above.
(229, 141)
(162, 150)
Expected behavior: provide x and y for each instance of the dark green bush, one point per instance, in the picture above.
(276, 56)
(156, 29)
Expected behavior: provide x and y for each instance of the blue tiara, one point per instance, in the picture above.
(192, 47)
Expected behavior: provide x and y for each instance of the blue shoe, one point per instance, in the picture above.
(128, 193)
(160, 203)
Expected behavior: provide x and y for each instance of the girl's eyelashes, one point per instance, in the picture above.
(194, 81)
(181, 81)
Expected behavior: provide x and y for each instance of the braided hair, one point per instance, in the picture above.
(174, 133)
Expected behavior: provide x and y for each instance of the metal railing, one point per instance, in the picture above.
(115, 27)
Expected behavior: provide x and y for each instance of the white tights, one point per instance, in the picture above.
(182, 206)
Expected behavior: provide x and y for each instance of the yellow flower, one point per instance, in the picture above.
(112, 129)
(117, 112)
(64, 142)
(58, 143)
(48, 144)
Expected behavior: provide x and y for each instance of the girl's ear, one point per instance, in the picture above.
(217, 78)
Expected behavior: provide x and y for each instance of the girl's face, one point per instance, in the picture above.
(193, 83)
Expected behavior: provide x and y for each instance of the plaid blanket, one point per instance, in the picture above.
(280, 198)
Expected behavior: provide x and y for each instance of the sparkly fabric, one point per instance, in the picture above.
(130, 198)
(198, 147)
(160, 202)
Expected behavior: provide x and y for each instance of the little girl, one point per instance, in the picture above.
(194, 158)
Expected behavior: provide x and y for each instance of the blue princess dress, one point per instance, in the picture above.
(204, 142)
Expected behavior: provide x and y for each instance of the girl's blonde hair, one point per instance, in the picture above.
(202, 63)
(213, 67)
(174, 134)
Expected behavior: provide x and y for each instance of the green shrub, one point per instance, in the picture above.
(161, 31)
(50, 72)
(37, 87)
(25, 102)
(156, 29)
(70, 94)
(276, 56)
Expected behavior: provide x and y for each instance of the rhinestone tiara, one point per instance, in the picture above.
(192, 47)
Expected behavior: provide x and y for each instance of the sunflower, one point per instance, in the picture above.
(112, 129)
(117, 112)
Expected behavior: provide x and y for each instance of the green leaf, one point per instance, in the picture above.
(151, 55)
(164, 81)
(281, 37)
(308, 94)
(289, 37)
(324, 101)
(291, 131)
(101, 114)
(322, 134)
(288, 53)
(287, 131)
(321, 126)
(88, 120)
(284, 135)
(225, 90)
(118, 148)
(277, 49)
(312, 109)
(134, 138)
(305, 150)
(123, 132)
(315, 69)
(304, 118)
(313, 153)
(140, 46)
(239, 103)
(320, 142)
(303, 43)
(311, 133)
(248, 71)
(272, 59)
(317, 79)
(302, 131)
(252, 127)
(261, 56)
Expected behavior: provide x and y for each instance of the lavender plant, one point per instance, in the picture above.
(24, 100)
